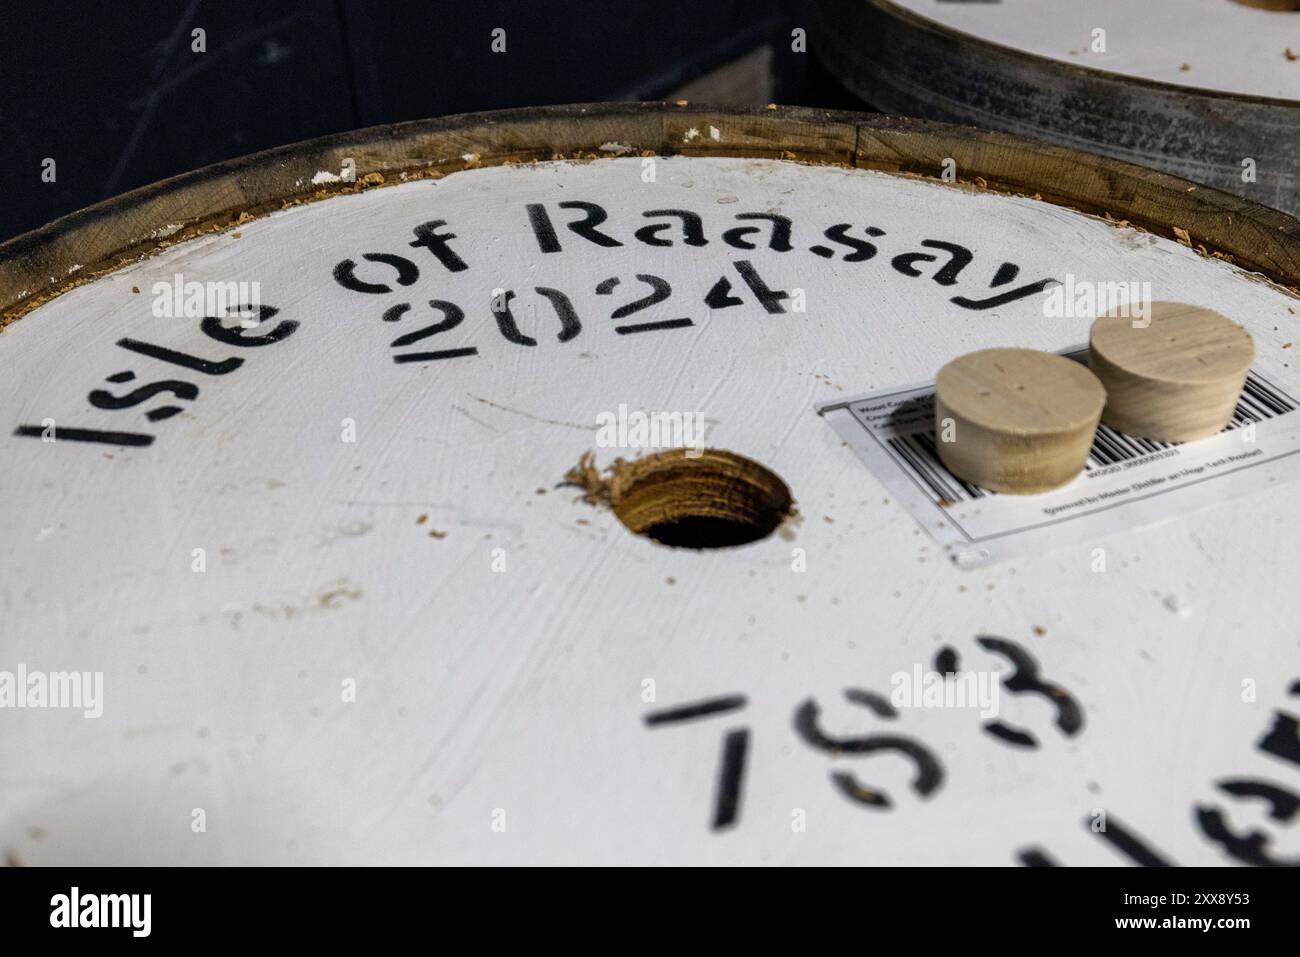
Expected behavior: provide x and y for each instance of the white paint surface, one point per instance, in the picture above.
(521, 690)
(1227, 47)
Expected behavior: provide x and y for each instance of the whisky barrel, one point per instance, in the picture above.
(1204, 89)
(351, 573)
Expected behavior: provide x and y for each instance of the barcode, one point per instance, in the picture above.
(917, 453)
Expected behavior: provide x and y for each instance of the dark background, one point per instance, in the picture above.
(115, 94)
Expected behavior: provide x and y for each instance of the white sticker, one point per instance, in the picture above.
(1127, 482)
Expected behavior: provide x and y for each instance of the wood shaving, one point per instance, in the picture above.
(585, 475)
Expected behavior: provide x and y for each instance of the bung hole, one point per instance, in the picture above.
(708, 499)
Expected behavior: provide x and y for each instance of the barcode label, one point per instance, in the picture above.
(1126, 480)
(916, 451)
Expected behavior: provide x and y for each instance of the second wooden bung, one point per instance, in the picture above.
(1016, 420)
(1175, 379)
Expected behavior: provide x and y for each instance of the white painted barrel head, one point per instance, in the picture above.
(1174, 375)
(1016, 420)
(345, 580)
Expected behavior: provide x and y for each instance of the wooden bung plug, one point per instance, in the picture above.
(1016, 420)
(1174, 380)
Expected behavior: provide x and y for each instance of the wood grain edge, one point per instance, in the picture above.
(78, 248)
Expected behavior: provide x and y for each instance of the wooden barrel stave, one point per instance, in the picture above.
(906, 64)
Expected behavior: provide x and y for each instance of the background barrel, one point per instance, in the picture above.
(1205, 89)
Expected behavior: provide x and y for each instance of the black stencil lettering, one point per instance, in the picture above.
(658, 326)
(103, 399)
(768, 297)
(62, 434)
(1283, 738)
(731, 779)
(543, 228)
(506, 320)
(959, 257)
(700, 709)
(1251, 848)
(235, 336)
(1128, 843)
(1005, 274)
(1283, 804)
(878, 703)
(428, 237)
(570, 325)
(586, 227)
(848, 785)
(1001, 300)
(839, 233)
(345, 273)
(1035, 857)
(929, 772)
(735, 749)
(224, 367)
(692, 228)
(660, 290)
(1016, 737)
(779, 240)
(435, 355)
(453, 316)
(946, 661)
(1026, 679)
(720, 297)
